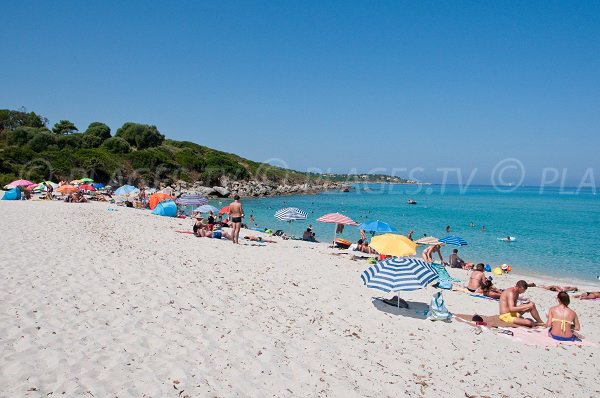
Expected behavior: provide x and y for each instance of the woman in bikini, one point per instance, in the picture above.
(476, 279)
(588, 296)
(487, 289)
(563, 321)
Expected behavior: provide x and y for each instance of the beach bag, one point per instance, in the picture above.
(444, 284)
(488, 268)
(438, 310)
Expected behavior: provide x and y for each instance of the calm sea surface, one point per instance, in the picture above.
(557, 231)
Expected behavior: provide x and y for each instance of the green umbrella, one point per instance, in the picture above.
(87, 179)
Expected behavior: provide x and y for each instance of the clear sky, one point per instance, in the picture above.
(338, 85)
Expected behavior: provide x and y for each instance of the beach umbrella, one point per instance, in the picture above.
(76, 182)
(224, 210)
(98, 185)
(337, 219)
(67, 189)
(377, 226)
(87, 187)
(125, 190)
(32, 187)
(429, 240)
(454, 240)
(206, 209)
(399, 274)
(290, 214)
(18, 183)
(191, 200)
(393, 245)
(86, 179)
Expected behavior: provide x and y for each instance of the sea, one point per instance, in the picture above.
(556, 230)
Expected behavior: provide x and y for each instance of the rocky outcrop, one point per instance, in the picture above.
(252, 188)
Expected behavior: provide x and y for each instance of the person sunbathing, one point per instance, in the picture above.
(588, 296)
(258, 239)
(204, 233)
(556, 288)
(477, 278)
(489, 290)
(510, 312)
(363, 246)
(563, 321)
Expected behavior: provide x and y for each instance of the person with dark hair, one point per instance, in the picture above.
(510, 312)
(476, 279)
(236, 213)
(308, 235)
(487, 289)
(562, 321)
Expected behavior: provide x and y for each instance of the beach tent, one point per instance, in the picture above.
(166, 209)
(13, 194)
(158, 197)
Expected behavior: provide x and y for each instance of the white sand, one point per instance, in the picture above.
(117, 304)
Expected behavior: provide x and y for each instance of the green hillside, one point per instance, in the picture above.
(136, 153)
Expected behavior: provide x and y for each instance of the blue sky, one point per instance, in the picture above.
(335, 85)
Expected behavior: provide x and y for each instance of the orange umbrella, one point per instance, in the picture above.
(67, 189)
(158, 197)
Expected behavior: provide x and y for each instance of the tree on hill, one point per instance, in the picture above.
(140, 136)
(100, 130)
(10, 120)
(64, 127)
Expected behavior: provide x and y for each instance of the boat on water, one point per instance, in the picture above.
(411, 202)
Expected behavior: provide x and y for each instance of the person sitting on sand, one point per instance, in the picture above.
(588, 296)
(563, 321)
(78, 198)
(555, 288)
(457, 262)
(476, 279)
(198, 224)
(49, 190)
(487, 289)
(510, 312)
(428, 254)
(363, 246)
(308, 235)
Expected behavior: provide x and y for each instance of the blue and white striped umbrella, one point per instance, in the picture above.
(399, 274)
(290, 214)
(192, 200)
(454, 240)
(206, 209)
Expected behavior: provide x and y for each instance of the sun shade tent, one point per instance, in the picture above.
(13, 194)
(166, 209)
(158, 197)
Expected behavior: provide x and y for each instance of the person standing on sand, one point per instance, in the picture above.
(510, 312)
(236, 213)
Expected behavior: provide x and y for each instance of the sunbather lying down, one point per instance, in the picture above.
(258, 239)
(556, 288)
(588, 296)
(203, 233)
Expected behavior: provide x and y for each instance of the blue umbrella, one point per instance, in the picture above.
(377, 226)
(206, 209)
(125, 190)
(453, 240)
(98, 185)
(399, 274)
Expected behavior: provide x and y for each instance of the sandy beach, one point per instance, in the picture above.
(98, 303)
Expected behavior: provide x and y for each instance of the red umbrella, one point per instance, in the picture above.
(337, 219)
(224, 210)
(87, 187)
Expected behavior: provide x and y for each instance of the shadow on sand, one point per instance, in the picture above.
(415, 309)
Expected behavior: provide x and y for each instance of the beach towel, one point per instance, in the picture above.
(539, 337)
(483, 297)
(444, 278)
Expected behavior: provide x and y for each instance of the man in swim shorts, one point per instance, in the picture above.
(236, 213)
(510, 312)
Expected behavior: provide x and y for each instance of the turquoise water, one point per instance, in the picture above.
(557, 232)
